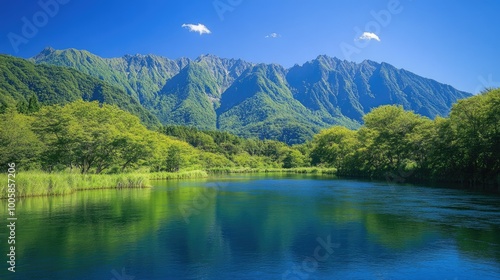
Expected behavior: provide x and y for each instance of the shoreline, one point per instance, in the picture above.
(298, 170)
(36, 184)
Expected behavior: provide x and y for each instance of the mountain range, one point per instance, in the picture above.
(260, 100)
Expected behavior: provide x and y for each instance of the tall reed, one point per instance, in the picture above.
(43, 184)
(178, 175)
(299, 170)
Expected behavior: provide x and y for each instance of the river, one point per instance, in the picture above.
(258, 227)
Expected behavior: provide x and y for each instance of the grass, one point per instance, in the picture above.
(178, 175)
(300, 170)
(45, 184)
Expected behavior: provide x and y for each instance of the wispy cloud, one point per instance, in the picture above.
(273, 35)
(369, 36)
(200, 28)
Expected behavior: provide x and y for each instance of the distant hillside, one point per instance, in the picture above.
(334, 87)
(267, 101)
(21, 81)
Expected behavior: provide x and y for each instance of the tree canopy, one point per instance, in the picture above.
(395, 143)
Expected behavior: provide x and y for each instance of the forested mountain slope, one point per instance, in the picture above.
(262, 100)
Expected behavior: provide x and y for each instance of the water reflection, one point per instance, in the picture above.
(251, 227)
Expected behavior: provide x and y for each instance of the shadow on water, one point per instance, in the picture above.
(259, 226)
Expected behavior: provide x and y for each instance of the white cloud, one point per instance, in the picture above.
(369, 36)
(200, 28)
(273, 35)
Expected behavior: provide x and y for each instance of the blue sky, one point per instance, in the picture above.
(454, 42)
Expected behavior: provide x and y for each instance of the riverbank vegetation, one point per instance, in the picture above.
(402, 146)
(91, 139)
(297, 170)
(36, 183)
(44, 184)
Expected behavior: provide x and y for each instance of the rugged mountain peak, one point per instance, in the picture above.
(239, 96)
(47, 51)
(207, 57)
(327, 61)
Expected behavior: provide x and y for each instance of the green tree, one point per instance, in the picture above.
(91, 137)
(33, 104)
(476, 125)
(173, 160)
(52, 125)
(22, 106)
(394, 139)
(442, 158)
(293, 158)
(333, 146)
(19, 144)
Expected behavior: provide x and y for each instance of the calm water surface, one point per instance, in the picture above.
(258, 227)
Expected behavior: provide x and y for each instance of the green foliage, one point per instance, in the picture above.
(29, 86)
(393, 135)
(94, 138)
(333, 146)
(254, 101)
(293, 159)
(214, 160)
(33, 104)
(344, 92)
(186, 98)
(173, 161)
(259, 104)
(262, 101)
(18, 142)
(391, 141)
(44, 184)
(139, 76)
(398, 144)
(91, 137)
(224, 149)
(299, 170)
(475, 124)
(178, 175)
